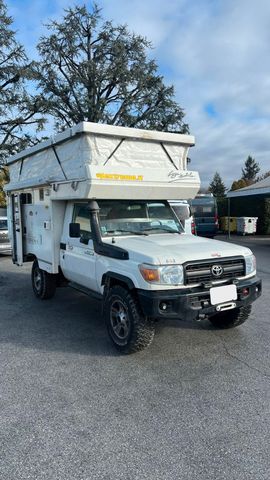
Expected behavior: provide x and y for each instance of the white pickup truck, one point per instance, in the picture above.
(90, 209)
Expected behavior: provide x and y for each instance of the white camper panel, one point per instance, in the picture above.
(102, 161)
(37, 233)
(38, 230)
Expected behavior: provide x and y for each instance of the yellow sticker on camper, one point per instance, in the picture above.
(117, 176)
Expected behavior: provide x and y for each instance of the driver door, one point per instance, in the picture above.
(79, 259)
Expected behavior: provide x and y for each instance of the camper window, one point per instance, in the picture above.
(26, 198)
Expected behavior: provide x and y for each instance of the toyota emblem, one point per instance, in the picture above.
(217, 270)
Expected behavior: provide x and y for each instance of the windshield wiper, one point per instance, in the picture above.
(168, 230)
(127, 231)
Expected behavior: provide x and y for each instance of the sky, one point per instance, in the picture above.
(214, 52)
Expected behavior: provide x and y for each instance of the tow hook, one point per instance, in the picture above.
(225, 306)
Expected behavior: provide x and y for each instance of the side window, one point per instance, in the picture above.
(81, 216)
(159, 211)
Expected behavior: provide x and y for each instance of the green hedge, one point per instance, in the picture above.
(249, 206)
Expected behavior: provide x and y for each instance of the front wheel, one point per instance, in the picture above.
(129, 330)
(43, 283)
(231, 318)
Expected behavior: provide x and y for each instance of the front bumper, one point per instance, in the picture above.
(193, 303)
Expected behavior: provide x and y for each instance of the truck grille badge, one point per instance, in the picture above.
(217, 270)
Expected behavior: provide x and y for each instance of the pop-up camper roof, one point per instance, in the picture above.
(93, 160)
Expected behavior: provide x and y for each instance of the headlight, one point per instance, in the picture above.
(250, 264)
(164, 275)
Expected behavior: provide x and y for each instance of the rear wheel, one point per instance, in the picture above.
(129, 330)
(43, 283)
(231, 318)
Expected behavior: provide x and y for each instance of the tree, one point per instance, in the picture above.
(18, 108)
(263, 176)
(91, 70)
(4, 178)
(217, 187)
(250, 169)
(239, 184)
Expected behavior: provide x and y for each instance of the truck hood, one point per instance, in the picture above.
(162, 249)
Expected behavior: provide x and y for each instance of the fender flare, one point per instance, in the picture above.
(117, 276)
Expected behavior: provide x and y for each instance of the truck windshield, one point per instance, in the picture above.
(129, 217)
(3, 224)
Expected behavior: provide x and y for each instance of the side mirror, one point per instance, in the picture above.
(74, 230)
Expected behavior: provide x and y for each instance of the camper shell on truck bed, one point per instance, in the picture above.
(90, 161)
(102, 161)
(90, 208)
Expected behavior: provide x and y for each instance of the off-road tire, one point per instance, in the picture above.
(231, 318)
(43, 283)
(138, 331)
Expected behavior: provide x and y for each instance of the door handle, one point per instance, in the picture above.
(89, 252)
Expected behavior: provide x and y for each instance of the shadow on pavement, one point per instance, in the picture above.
(70, 321)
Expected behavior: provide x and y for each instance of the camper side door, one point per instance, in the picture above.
(78, 258)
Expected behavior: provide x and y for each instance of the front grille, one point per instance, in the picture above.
(200, 272)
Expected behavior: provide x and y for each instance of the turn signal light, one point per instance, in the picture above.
(150, 274)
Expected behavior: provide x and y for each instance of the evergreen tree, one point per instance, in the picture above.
(250, 170)
(91, 70)
(18, 108)
(217, 187)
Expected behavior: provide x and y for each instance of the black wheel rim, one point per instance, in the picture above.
(120, 322)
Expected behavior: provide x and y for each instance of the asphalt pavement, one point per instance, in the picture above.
(194, 405)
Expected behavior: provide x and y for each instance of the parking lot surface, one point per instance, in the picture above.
(194, 405)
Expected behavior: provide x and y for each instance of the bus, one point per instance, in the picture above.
(204, 211)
